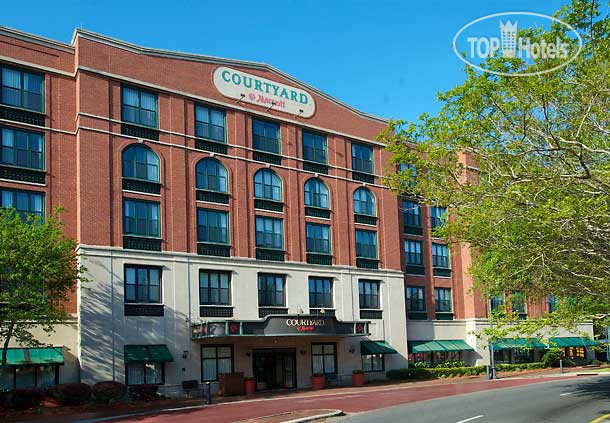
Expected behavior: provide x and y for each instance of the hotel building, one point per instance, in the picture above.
(231, 219)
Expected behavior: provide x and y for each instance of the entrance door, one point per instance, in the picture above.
(274, 368)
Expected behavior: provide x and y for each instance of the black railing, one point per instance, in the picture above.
(138, 185)
(218, 250)
(141, 243)
(140, 131)
(22, 174)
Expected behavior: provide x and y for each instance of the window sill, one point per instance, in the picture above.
(144, 309)
(141, 186)
(444, 272)
(367, 263)
(271, 205)
(319, 258)
(22, 174)
(267, 157)
(210, 249)
(264, 311)
(365, 219)
(213, 146)
(212, 196)
(132, 242)
(368, 178)
(269, 254)
(139, 131)
(371, 314)
(318, 212)
(315, 167)
(22, 115)
(215, 310)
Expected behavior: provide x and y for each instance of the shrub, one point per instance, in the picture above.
(71, 393)
(596, 362)
(568, 362)
(449, 364)
(24, 398)
(144, 392)
(109, 392)
(421, 365)
(415, 373)
(551, 357)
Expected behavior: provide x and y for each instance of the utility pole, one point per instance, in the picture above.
(492, 359)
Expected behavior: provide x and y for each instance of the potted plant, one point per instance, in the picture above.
(358, 377)
(317, 381)
(250, 384)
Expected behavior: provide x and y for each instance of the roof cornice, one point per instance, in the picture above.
(35, 39)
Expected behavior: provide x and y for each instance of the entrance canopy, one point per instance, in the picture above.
(571, 342)
(517, 343)
(418, 347)
(376, 347)
(280, 325)
(30, 356)
(147, 354)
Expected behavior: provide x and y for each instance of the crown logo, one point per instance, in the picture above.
(508, 35)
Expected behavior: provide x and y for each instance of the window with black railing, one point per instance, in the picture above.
(269, 233)
(440, 256)
(211, 175)
(22, 89)
(411, 214)
(266, 136)
(141, 218)
(271, 290)
(317, 238)
(415, 299)
(21, 148)
(212, 226)
(320, 292)
(364, 202)
(210, 123)
(314, 147)
(139, 107)
(316, 194)
(267, 185)
(442, 300)
(214, 287)
(366, 244)
(140, 162)
(437, 216)
(362, 158)
(142, 284)
(413, 253)
(24, 202)
(368, 294)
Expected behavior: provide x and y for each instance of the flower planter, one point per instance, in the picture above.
(357, 379)
(318, 382)
(250, 386)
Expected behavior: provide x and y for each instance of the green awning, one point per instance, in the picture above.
(27, 356)
(376, 347)
(571, 342)
(418, 347)
(147, 354)
(517, 343)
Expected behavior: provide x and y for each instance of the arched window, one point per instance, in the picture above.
(267, 185)
(140, 162)
(364, 202)
(211, 175)
(316, 193)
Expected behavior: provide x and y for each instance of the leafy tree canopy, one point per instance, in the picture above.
(523, 164)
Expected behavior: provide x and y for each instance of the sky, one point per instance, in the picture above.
(386, 58)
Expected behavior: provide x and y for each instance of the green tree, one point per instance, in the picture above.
(39, 268)
(523, 165)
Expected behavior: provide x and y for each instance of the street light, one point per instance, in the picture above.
(492, 359)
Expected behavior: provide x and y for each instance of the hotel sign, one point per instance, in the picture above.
(263, 92)
(288, 325)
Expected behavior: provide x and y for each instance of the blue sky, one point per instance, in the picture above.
(388, 58)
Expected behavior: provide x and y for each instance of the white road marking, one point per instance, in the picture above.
(566, 393)
(470, 419)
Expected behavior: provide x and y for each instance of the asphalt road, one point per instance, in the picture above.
(570, 401)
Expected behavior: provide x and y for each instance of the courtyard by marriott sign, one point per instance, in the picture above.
(263, 92)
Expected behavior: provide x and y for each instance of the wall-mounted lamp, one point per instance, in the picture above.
(185, 354)
(273, 103)
(241, 97)
(352, 350)
(300, 112)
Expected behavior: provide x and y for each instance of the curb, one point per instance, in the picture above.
(330, 413)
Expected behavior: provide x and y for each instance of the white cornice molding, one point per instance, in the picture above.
(36, 39)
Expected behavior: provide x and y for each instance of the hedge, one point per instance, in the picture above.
(109, 392)
(419, 373)
(71, 393)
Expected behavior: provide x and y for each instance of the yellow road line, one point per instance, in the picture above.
(601, 419)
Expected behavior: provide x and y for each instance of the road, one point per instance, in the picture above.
(569, 401)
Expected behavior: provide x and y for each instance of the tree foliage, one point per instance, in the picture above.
(523, 164)
(38, 270)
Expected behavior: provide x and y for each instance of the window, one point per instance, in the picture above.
(320, 292)
(323, 359)
(24, 202)
(314, 147)
(212, 226)
(318, 238)
(271, 290)
(142, 284)
(373, 363)
(368, 294)
(413, 255)
(316, 193)
(140, 162)
(210, 123)
(415, 299)
(497, 303)
(269, 232)
(366, 244)
(266, 136)
(411, 171)
(267, 185)
(411, 213)
(211, 175)
(215, 361)
(553, 302)
(517, 300)
(214, 287)
(362, 158)
(23, 89)
(145, 373)
(440, 255)
(364, 202)
(442, 297)
(139, 107)
(22, 148)
(38, 376)
(437, 216)
(141, 218)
